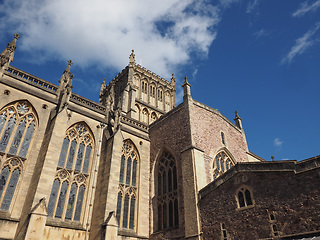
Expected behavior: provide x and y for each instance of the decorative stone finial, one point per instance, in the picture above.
(6, 56)
(132, 57)
(186, 88)
(272, 157)
(173, 79)
(237, 120)
(16, 36)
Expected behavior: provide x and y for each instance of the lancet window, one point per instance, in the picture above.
(9, 177)
(70, 184)
(128, 186)
(221, 164)
(167, 196)
(17, 125)
(160, 95)
(153, 116)
(244, 198)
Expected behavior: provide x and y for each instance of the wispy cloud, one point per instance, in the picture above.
(261, 33)
(301, 45)
(277, 142)
(164, 33)
(305, 7)
(252, 5)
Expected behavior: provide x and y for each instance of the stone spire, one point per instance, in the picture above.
(65, 87)
(173, 80)
(6, 56)
(186, 89)
(237, 120)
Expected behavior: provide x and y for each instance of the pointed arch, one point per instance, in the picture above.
(9, 178)
(166, 191)
(222, 162)
(128, 186)
(153, 117)
(69, 187)
(18, 122)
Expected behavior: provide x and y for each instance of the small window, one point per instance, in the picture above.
(224, 235)
(223, 139)
(221, 164)
(244, 198)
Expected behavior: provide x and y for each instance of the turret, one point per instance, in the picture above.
(186, 89)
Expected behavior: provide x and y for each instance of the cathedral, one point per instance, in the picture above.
(137, 166)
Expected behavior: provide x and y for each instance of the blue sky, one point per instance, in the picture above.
(259, 57)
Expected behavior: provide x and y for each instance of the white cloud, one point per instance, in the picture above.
(277, 142)
(301, 45)
(163, 33)
(305, 7)
(261, 33)
(252, 5)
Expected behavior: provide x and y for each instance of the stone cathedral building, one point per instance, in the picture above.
(136, 166)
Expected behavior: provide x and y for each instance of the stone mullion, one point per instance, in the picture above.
(28, 123)
(67, 154)
(84, 156)
(63, 215)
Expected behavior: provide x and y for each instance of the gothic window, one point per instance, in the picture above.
(152, 91)
(9, 177)
(224, 235)
(168, 101)
(145, 116)
(144, 87)
(17, 125)
(244, 198)
(221, 164)
(153, 116)
(167, 196)
(68, 189)
(128, 190)
(160, 95)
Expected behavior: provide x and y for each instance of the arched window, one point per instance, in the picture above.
(9, 177)
(153, 117)
(17, 125)
(221, 164)
(128, 190)
(167, 196)
(68, 189)
(244, 198)
(145, 116)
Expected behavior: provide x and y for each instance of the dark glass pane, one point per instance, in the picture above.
(77, 214)
(165, 216)
(222, 165)
(241, 199)
(63, 152)
(248, 197)
(72, 198)
(3, 117)
(223, 226)
(119, 202)
(7, 133)
(72, 150)
(134, 172)
(274, 227)
(53, 197)
(176, 213)
(17, 137)
(174, 178)
(227, 166)
(271, 215)
(123, 160)
(159, 184)
(169, 181)
(27, 140)
(4, 178)
(62, 198)
(224, 233)
(10, 190)
(128, 171)
(79, 157)
(170, 214)
(164, 182)
(217, 163)
(125, 211)
(222, 138)
(132, 207)
(87, 159)
(159, 217)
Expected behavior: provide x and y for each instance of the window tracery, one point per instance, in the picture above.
(128, 190)
(68, 189)
(17, 125)
(167, 195)
(9, 177)
(153, 117)
(221, 164)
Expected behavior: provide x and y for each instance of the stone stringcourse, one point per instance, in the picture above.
(134, 122)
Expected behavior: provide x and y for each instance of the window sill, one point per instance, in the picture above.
(64, 224)
(246, 207)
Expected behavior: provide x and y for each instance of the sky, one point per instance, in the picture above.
(259, 57)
